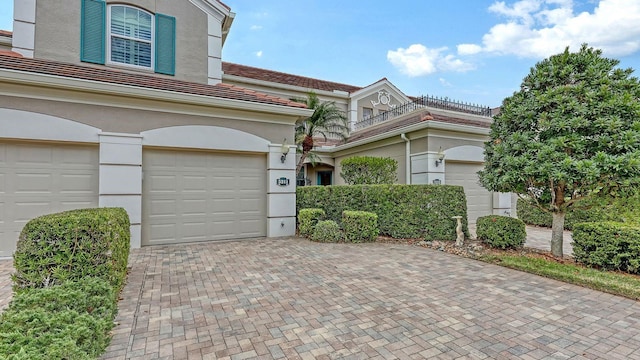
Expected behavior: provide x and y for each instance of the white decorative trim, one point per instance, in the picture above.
(120, 149)
(281, 227)
(120, 182)
(465, 153)
(204, 137)
(25, 11)
(24, 27)
(281, 205)
(18, 124)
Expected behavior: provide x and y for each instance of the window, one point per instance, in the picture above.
(130, 39)
(122, 34)
(367, 113)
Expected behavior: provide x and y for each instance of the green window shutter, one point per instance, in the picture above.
(165, 56)
(93, 31)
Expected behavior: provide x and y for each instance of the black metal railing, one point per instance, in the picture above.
(421, 102)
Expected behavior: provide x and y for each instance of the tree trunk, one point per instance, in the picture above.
(303, 156)
(557, 231)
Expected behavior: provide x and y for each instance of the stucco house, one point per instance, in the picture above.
(112, 103)
(434, 140)
(128, 103)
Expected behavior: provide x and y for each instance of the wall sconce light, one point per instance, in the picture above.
(285, 151)
(437, 181)
(440, 157)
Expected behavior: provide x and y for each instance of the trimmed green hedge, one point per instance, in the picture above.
(360, 170)
(326, 231)
(404, 211)
(360, 226)
(501, 231)
(608, 245)
(73, 245)
(68, 321)
(307, 220)
(595, 209)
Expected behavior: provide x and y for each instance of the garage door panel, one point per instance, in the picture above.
(38, 179)
(479, 200)
(207, 188)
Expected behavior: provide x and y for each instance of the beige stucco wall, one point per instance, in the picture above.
(139, 116)
(386, 148)
(60, 40)
(312, 173)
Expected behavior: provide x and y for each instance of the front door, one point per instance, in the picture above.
(324, 178)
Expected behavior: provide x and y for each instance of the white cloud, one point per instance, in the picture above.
(259, 53)
(418, 60)
(540, 28)
(255, 27)
(444, 82)
(469, 49)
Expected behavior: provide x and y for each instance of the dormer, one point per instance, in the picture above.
(178, 39)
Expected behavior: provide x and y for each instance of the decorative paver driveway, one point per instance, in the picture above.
(296, 299)
(6, 269)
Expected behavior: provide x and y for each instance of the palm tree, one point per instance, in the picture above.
(327, 121)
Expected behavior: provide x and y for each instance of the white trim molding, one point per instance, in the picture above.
(468, 153)
(24, 27)
(204, 137)
(120, 182)
(19, 124)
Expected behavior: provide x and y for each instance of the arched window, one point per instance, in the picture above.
(130, 36)
(125, 35)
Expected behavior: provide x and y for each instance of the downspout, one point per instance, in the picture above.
(407, 155)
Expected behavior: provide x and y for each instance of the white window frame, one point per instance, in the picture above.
(153, 40)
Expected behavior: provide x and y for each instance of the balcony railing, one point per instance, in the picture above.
(421, 102)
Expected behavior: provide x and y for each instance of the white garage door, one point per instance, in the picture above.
(479, 200)
(192, 196)
(38, 179)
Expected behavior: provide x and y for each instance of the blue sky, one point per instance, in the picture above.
(473, 51)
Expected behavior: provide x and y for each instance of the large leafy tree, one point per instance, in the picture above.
(571, 132)
(327, 121)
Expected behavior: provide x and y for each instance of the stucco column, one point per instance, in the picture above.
(121, 177)
(502, 204)
(424, 169)
(281, 192)
(24, 27)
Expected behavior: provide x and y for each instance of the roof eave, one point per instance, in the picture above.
(241, 79)
(430, 124)
(61, 82)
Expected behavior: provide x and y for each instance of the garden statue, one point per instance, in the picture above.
(460, 238)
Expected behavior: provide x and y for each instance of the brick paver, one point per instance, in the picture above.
(294, 299)
(6, 269)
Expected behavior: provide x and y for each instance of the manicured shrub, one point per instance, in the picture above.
(73, 245)
(326, 231)
(360, 226)
(404, 211)
(307, 220)
(608, 245)
(68, 321)
(363, 170)
(501, 231)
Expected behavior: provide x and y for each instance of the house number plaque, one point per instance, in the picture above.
(283, 181)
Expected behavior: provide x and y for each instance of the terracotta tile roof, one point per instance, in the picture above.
(112, 76)
(284, 78)
(10, 53)
(412, 120)
(6, 33)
